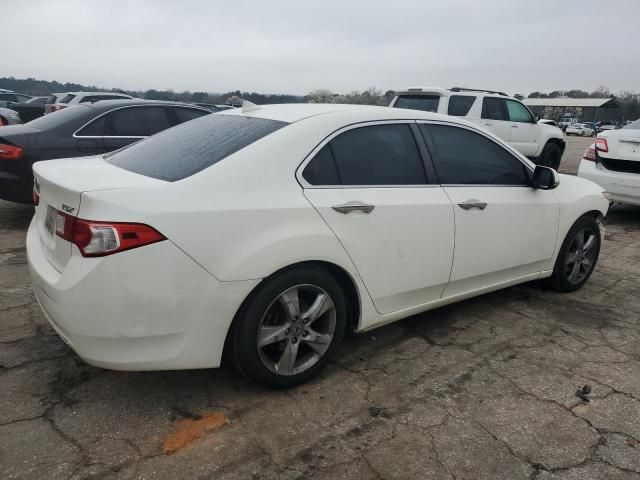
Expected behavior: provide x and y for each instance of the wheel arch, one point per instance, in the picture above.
(344, 278)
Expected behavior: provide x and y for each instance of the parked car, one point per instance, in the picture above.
(81, 130)
(9, 96)
(271, 230)
(74, 98)
(566, 121)
(9, 117)
(505, 117)
(581, 129)
(605, 127)
(613, 162)
(53, 102)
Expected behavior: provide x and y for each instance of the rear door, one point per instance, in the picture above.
(494, 117)
(505, 229)
(370, 184)
(524, 128)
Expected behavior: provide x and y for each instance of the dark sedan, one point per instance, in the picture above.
(81, 130)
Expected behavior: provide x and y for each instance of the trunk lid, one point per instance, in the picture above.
(60, 184)
(623, 144)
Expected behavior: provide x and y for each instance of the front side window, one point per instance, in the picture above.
(426, 103)
(186, 114)
(459, 105)
(518, 112)
(371, 155)
(493, 109)
(464, 157)
(136, 121)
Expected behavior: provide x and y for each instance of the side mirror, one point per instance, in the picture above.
(545, 178)
(536, 118)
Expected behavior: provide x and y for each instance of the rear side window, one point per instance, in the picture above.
(184, 150)
(493, 109)
(373, 155)
(459, 105)
(463, 157)
(94, 129)
(136, 121)
(186, 114)
(67, 98)
(426, 103)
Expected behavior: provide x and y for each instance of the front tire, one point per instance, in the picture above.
(578, 255)
(551, 156)
(289, 328)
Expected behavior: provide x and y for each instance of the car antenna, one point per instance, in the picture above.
(248, 106)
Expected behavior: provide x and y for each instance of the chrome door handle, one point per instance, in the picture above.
(473, 203)
(488, 124)
(514, 126)
(353, 207)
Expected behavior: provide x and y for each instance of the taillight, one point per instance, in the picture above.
(96, 239)
(602, 145)
(36, 196)
(10, 152)
(590, 154)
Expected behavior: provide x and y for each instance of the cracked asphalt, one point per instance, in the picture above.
(485, 389)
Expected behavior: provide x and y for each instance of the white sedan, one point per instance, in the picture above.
(267, 232)
(613, 162)
(581, 129)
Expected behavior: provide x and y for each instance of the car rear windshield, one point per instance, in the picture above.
(426, 103)
(191, 147)
(634, 125)
(60, 117)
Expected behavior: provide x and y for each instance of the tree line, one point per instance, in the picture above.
(629, 101)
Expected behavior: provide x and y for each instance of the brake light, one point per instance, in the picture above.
(97, 239)
(10, 152)
(602, 145)
(36, 196)
(590, 154)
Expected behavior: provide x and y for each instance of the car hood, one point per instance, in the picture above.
(549, 131)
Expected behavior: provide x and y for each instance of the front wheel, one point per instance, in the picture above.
(289, 328)
(551, 156)
(578, 255)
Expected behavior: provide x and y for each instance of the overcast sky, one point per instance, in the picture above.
(296, 46)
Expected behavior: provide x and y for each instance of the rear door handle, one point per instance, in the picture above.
(473, 203)
(353, 207)
(514, 126)
(488, 124)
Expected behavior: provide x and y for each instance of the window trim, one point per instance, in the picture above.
(529, 167)
(169, 115)
(428, 169)
(505, 111)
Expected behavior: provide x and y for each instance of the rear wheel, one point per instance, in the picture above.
(551, 156)
(289, 328)
(578, 255)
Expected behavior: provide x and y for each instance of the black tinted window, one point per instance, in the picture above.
(493, 109)
(463, 157)
(67, 98)
(459, 105)
(94, 129)
(427, 103)
(181, 151)
(322, 169)
(378, 155)
(96, 98)
(136, 121)
(186, 114)
(8, 97)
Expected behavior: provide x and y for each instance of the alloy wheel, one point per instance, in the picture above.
(296, 330)
(581, 256)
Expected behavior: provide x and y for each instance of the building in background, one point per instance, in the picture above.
(582, 109)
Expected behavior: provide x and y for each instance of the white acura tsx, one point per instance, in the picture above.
(267, 232)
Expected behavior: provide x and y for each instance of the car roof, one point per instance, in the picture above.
(294, 112)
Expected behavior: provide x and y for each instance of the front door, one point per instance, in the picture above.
(370, 185)
(505, 229)
(494, 118)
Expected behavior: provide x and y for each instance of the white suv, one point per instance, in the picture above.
(503, 116)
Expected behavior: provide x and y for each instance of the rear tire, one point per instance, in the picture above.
(551, 156)
(289, 328)
(578, 255)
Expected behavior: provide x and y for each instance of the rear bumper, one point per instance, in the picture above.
(622, 187)
(151, 308)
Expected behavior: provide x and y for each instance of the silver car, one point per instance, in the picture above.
(9, 117)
